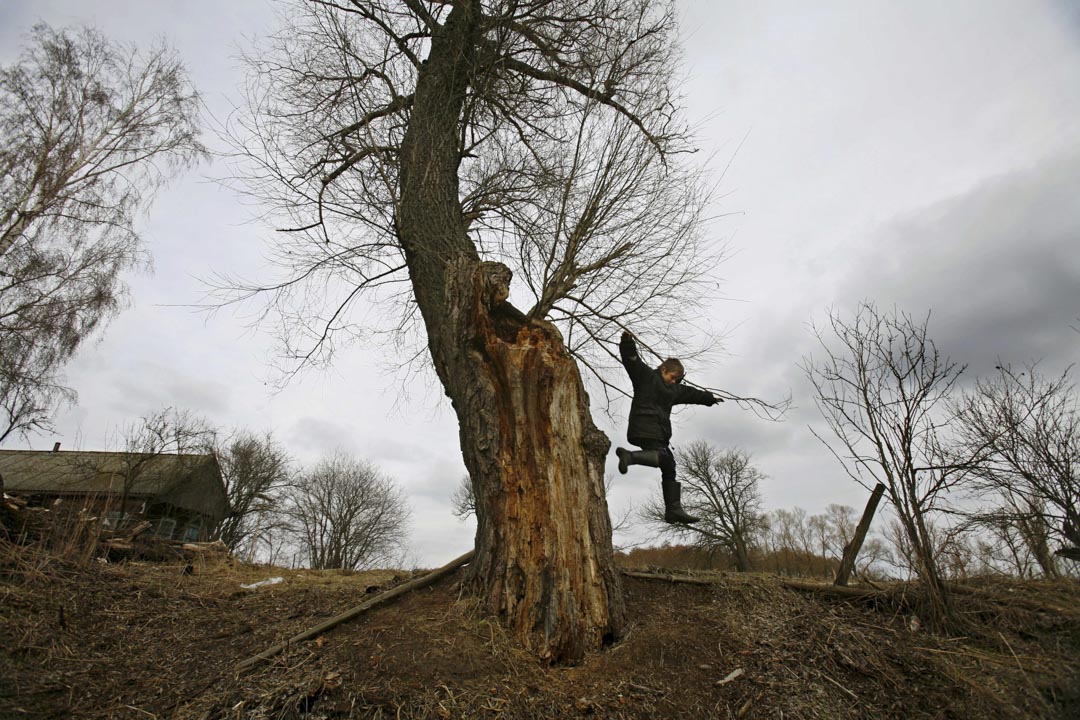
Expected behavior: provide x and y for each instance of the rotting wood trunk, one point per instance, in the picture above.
(544, 558)
(544, 561)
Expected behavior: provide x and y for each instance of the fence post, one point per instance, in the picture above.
(851, 550)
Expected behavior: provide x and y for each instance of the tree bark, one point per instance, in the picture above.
(544, 561)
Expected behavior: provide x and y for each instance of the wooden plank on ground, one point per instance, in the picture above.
(422, 581)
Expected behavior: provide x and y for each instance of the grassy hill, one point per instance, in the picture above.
(141, 640)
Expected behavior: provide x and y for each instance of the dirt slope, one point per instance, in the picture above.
(142, 640)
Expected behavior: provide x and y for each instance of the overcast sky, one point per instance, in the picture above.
(924, 155)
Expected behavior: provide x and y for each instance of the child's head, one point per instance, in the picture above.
(672, 371)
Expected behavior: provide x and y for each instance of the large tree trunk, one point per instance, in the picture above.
(544, 560)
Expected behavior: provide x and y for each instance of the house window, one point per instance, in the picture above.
(193, 531)
(114, 519)
(165, 527)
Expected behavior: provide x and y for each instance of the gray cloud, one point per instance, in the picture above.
(997, 267)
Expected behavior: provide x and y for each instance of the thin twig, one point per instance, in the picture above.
(1018, 664)
(853, 695)
(763, 409)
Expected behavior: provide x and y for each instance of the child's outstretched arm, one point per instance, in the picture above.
(635, 368)
(687, 395)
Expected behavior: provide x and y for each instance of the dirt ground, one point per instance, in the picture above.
(142, 640)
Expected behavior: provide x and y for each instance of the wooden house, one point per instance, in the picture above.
(183, 495)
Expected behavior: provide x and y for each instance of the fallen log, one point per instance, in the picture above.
(14, 501)
(139, 530)
(118, 544)
(840, 591)
(216, 546)
(670, 577)
(422, 581)
(1012, 601)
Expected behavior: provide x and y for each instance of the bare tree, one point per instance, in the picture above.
(787, 528)
(425, 154)
(882, 387)
(874, 553)
(1004, 545)
(722, 489)
(818, 527)
(1022, 430)
(1019, 533)
(169, 431)
(256, 471)
(839, 528)
(347, 514)
(463, 499)
(89, 129)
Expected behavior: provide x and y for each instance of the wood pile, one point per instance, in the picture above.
(136, 545)
(29, 524)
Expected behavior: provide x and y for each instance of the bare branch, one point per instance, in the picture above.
(89, 131)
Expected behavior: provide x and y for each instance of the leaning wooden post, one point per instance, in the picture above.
(851, 550)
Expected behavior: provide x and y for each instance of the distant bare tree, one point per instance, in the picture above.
(804, 544)
(463, 499)
(722, 489)
(89, 129)
(900, 550)
(840, 521)
(256, 470)
(874, 553)
(818, 526)
(1004, 544)
(1019, 534)
(1022, 430)
(347, 514)
(882, 387)
(957, 554)
(788, 531)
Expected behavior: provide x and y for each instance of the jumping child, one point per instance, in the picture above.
(655, 392)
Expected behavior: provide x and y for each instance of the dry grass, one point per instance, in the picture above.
(141, 640)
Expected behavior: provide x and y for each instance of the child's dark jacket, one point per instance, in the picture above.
(650, 411)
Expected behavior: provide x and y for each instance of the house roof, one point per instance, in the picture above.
(188, 481)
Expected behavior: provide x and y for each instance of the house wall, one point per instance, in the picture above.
(170, 523)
